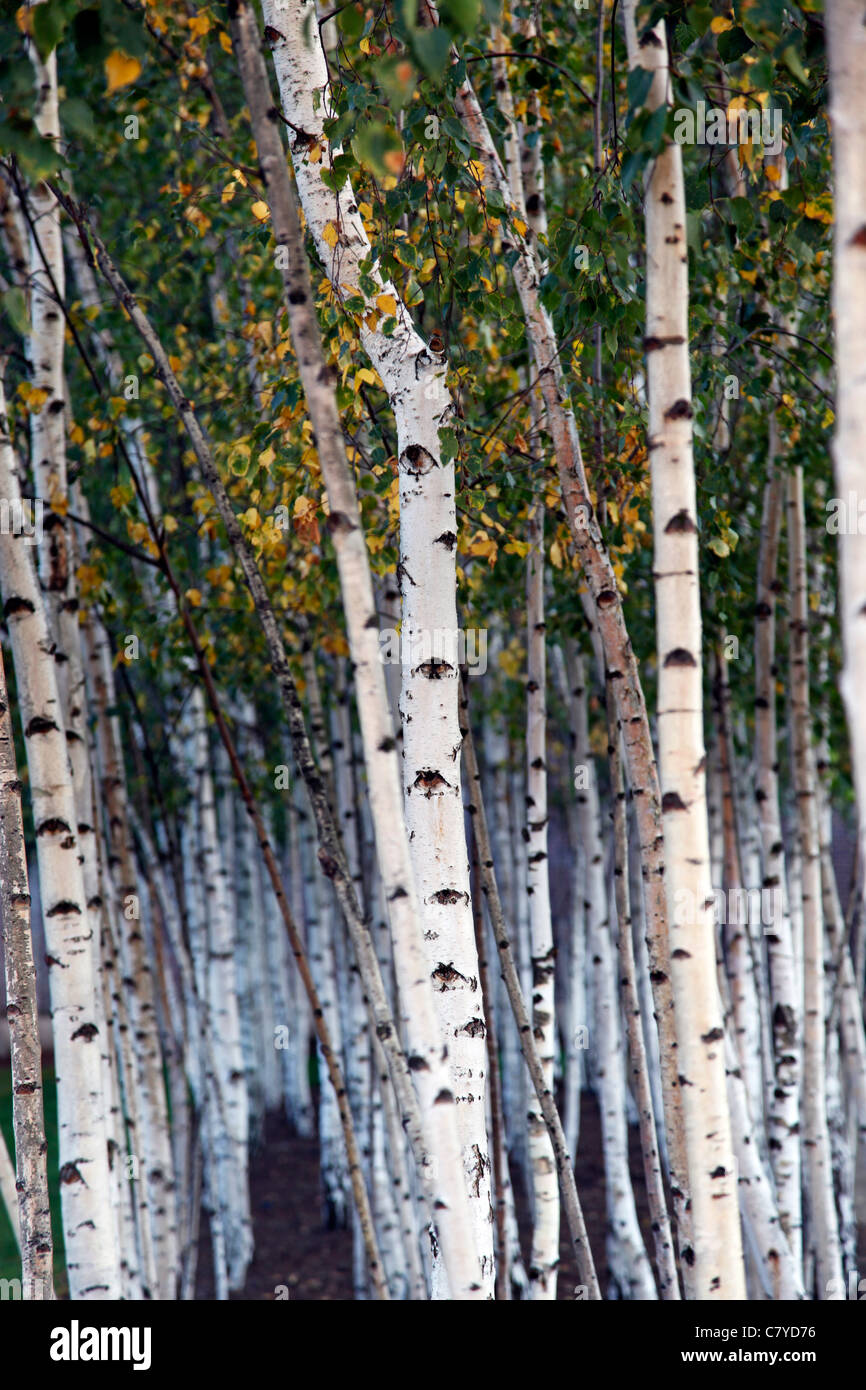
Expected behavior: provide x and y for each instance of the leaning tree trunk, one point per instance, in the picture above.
(413, 374)
(91, 1253)
(783, 1117)
(604, 610)
(28, 1122)
(682, 758)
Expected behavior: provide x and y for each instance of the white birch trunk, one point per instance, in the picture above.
(413, 376)
(823, 1223)
(682, 759)
(545, 1186)
(91, 1253)
(846, 46)
(783, 1113)
(24, 1186)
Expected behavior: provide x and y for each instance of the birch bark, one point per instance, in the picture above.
(682, 757)
(407, 380)
(604, 605)
(30, 1210)
(91, 1253)
(823, 1221)
(846, 47)
(783, 1117)
(545, 1190)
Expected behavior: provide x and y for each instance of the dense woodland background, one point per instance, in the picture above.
(368, 962)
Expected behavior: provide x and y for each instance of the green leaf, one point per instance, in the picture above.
(351, 21)
(49, 22)
(655, 128)
(638, 84)
(399, 79)
(15, 307)
(433, 50)
(733, 43)
(631, 167)
(77, 117)
(791, 59)
(372, 144)
(463, 15)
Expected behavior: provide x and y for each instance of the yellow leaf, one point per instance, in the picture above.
(225, 41)
(36, 398)
(174, 363)
(120, 70)
(267, 456)
(519, 226)
(199, 25)
(330, 234)
(387, 303)
(228, 192)
(261, 211)
(193, 597)
(720, 24)
(556, 555)
(814, 211)
(89, 579)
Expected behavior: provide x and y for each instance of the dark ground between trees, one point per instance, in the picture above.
(293, 1248)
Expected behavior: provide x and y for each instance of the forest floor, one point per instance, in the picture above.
(296, 1251)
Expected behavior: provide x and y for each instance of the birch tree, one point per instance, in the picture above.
(682, 757)
(91, 1255)
(30, 1211)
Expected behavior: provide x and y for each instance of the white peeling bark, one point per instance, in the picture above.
(846, 41)
(783, 1113)
(818, 1171)
(603, 603)
(682, 759)
(91, 1252)
(545, 1185)
(28, 1202)
(413, 375)
(629, 1265)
